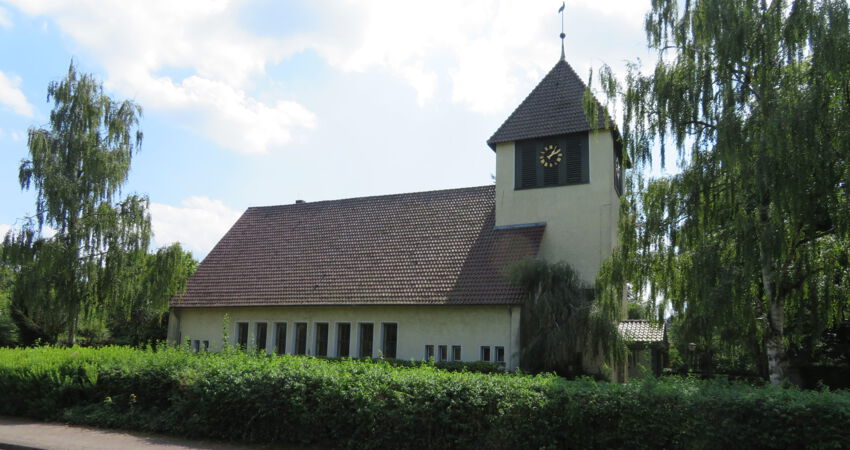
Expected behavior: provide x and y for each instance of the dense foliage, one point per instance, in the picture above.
(749, 243)
(92, 271)
(8, 329)
(291, 399)
(561, 323)
(140, 318)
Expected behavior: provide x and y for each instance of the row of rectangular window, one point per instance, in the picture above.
(389, 338)
(443, 353)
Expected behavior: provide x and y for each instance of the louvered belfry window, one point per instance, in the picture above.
(572, 169)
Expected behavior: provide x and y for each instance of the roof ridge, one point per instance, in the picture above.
(370, 197)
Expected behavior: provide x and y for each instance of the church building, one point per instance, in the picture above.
(418, 275)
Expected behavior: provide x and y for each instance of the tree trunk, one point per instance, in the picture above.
(72, 326)
(776, 354)
(775, 347)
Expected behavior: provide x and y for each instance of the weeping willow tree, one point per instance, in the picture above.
(749, 241)
(560, 319)
(77, 167)
(138, 319)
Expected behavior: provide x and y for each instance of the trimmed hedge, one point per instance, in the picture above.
(286, 399)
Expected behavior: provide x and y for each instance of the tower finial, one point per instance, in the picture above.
(561, 10)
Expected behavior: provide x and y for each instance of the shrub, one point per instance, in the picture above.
(375, 404)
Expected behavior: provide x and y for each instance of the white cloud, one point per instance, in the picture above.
(12, 97)
(485, 43)
(135, 41)
(483, 54)
(198, 224)
(5, 21)
(496, 47)
(229, 116)
(4, 228)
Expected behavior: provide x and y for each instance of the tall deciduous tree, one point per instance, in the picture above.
(77, 166)
(751, 238)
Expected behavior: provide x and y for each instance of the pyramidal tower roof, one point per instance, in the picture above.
(554, 107)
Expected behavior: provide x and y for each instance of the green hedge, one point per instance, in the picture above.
(286, 399)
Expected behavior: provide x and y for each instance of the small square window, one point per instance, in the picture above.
(456, 353)
(485, 353)
(206, 346)
(429, 352)
(500, 354)
(444, 353)
(196, 345)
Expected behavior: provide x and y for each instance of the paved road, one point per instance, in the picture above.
(24, 434)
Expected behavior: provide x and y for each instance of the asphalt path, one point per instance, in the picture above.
(24, 434)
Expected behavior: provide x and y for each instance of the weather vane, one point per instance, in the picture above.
(561, 11)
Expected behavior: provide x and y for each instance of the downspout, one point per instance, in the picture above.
(510, 338)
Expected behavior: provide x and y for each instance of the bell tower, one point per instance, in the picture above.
(554, 166)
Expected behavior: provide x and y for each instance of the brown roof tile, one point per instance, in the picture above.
(437, 247)
(554, 107)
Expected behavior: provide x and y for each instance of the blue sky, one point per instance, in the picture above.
(263, 102)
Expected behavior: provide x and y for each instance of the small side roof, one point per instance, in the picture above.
(643, 331)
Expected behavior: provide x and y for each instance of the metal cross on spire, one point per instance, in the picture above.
(561, 11)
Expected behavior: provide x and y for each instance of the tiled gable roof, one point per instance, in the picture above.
(437, 247)
(554, 107)
(641, 331)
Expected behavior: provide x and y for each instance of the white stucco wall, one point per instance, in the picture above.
(581, 219)
(468, 326)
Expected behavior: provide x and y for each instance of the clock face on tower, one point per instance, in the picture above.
(550, 156)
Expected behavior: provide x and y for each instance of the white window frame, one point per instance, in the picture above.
(433, 353)
(496, 354)
(489, 353)
(275, 334)
(256, 341)
(306, 338)
(336, 339)
(383, 338)
(316, 339)
(360, 340)
(440, 349)
(247, 334)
